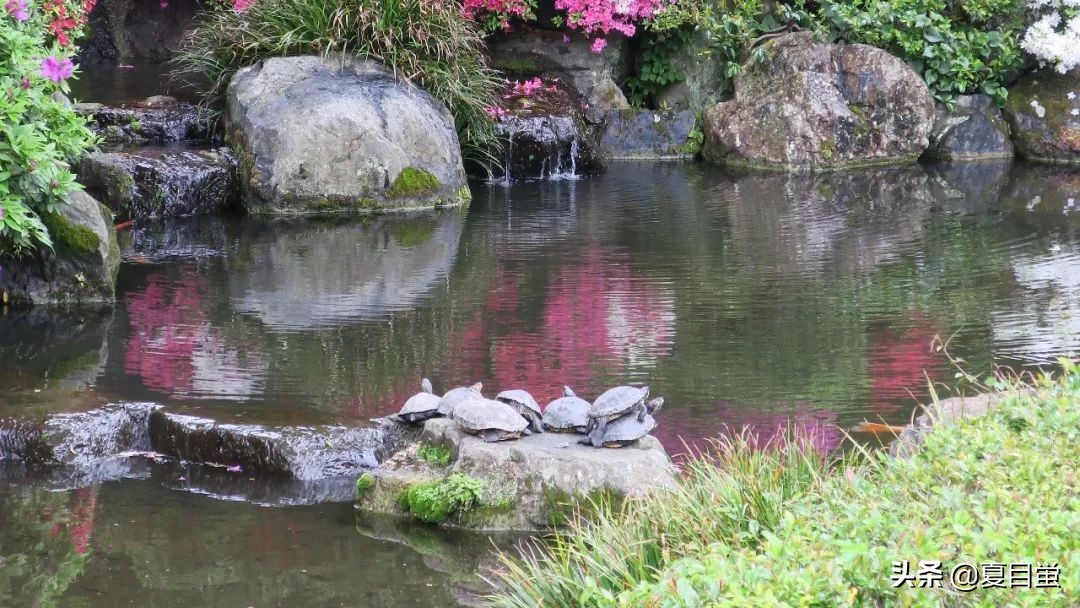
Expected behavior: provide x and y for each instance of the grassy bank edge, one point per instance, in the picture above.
(788, 526)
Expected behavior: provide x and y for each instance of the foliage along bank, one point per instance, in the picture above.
(787, 526)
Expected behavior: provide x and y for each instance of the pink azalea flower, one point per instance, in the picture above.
(598, 45)
(56, 69)
(18, 9)
(242, 5)
(234, 468)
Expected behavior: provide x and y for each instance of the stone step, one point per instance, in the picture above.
(154, 182)
(154, 120)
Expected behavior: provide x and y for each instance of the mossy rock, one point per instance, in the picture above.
(69, 238)
(1043, 111)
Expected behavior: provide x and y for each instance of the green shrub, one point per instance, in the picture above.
(958, 47)
(434, 501)
(39, 134)
(427, 41)
(780, 529)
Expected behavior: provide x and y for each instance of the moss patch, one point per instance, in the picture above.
(413, 182)
(432, 502)
(70, 237)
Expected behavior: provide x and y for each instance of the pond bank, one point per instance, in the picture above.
(784, 526)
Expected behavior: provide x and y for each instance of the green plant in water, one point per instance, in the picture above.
(438, 455)
(427, 41)
(434, 501)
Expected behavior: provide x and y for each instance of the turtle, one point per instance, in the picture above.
(626, 430)
(614, 403)
(458, 395)
(524, 404)
(567, 414)
(421, 406)
(489, 419)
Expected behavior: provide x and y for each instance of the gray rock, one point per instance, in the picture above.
(647, 134)
(1043, 110)
(81, 268)
(529, 483)
(703, 81)
(303, 453)
(156, 120)
(321, 135)
(528, 52)
(974, 130)
(810, 106)
(153, 183)
(607, 95)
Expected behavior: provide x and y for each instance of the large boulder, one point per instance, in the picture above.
(1044, 111)
(153, 183)
(528, 483)
(332, 134)
(80, 269)
(811, 106)
(973, 129)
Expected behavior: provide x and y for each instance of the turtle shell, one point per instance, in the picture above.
(618, 401)
(567, 414)
(627, 429)
(455, 396)
(477, 415)
(421, 406)
(519, 397)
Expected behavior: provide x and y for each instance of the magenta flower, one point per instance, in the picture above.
(56, 69)
(18, 9)
(598, 45)
(25, 83)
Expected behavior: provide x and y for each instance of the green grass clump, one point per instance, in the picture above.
(364, 483)
(428, 42)
(434, 501)
(413, 182)
(438, 455)
(785, 527)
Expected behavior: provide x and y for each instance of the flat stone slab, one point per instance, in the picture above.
(155, 120)
(529, 483)
(647, 135)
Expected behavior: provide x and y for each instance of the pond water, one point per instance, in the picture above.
(744, 299)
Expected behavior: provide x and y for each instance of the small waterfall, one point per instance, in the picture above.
(539, 147)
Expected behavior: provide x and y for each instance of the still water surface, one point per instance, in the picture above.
(745, 299)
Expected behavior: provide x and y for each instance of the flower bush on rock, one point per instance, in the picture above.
(39, 133)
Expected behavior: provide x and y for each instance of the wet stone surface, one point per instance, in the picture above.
(647, 134)
(155, 120)
(152, 183)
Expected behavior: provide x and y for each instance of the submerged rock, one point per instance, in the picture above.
(811, 106)
(153, 183)
(974, 130)
(1044, 111)
(330, 134)
(528, 483)
(647, 134)
(80, 269)
(155, 120)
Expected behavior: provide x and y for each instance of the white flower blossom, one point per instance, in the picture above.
(1054, 39)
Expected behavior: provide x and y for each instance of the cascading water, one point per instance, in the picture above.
(547, 147)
